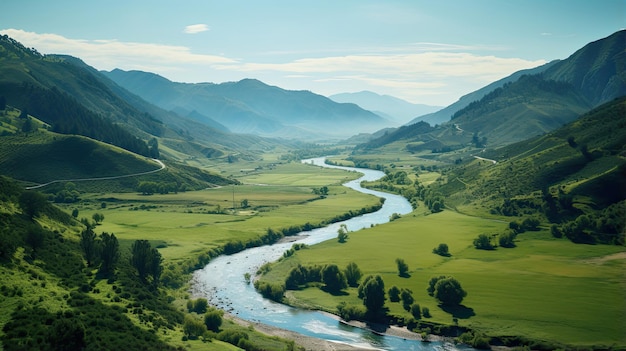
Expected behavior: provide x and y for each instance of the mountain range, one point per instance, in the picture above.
(392, 108)
(527, 103)
(253, 107)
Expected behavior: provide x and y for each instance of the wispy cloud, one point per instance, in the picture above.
(416, 72)
(196, 28)
(110, 53)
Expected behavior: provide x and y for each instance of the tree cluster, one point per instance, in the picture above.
(147, 261)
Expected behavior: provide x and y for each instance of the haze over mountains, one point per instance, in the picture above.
(251, 106)
(392, 108)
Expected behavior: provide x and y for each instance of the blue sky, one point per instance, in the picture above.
(430, 52)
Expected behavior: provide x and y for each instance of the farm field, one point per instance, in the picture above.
(545, 288)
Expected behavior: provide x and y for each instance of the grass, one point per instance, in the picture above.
(544, 289)
(187, 224)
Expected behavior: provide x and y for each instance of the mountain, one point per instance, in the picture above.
(392, 108)
(444, 115)
(251, 106)
(533, 104)
(75, 98)
(576, 170)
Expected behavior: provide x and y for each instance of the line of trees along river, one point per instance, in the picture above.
(223, 283)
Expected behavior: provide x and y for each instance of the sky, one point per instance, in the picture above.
(427, 52)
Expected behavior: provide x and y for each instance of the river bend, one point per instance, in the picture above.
(222, 280)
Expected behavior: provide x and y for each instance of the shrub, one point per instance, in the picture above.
(442, 250)
(394, 294)
(213, 319)
(483, 242)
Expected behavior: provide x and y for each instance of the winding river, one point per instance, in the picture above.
(222, 280)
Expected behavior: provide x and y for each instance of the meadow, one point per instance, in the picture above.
(543, 289)
(186, 224)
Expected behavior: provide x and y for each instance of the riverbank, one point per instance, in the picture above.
(308, 343)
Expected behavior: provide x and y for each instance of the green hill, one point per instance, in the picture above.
(41, 156)
(577, 170)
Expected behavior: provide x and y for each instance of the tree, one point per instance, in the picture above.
(334, 278)
(213, 319)
(342, 234)
(32, 203)
(75, 213)
(110, 253)
(353, 274)
(153, 148)
(442, 250)
(28, 125)
(244, 203)
(416, 311)
(97, 217)
(193, 328)
(372, 291)
(141, 258)
(89, 245)
(507, 239)
(431, 284)
(67, 334)
(394, 294)
(449, 291)
(406, 296)
(483, 242)
(403, 268)
(34, 238)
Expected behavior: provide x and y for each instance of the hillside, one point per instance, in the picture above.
(75, 98)
(392, 108)
(251, 106)
(445, 114)
(577, 170)
(40, 156)
(524, 106)
(520, 110)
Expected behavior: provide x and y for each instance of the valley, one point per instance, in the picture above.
(141, 213)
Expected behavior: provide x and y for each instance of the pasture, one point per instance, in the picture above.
(187, 224)
(544, 289)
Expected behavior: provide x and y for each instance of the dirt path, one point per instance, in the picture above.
(161, 164)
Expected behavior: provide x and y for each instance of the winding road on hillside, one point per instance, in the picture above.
(161, 164)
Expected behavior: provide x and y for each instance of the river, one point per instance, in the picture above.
(222, 281)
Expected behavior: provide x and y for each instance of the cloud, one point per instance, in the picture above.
(109, 54)
(432, 72)
(196, 28)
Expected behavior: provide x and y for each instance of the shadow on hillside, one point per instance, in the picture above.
(459, 311)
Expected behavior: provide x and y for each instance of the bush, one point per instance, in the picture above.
(351, 312)
(394, 294)
(213, 319)
(442, 250)
(416, 311)
(507, 239)
(193, 328)
(483, 242)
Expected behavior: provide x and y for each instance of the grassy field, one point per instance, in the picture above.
(544, 289)
(189, 223)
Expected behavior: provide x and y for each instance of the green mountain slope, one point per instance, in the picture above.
(535, 104)
(577, 170)
(40, 156)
